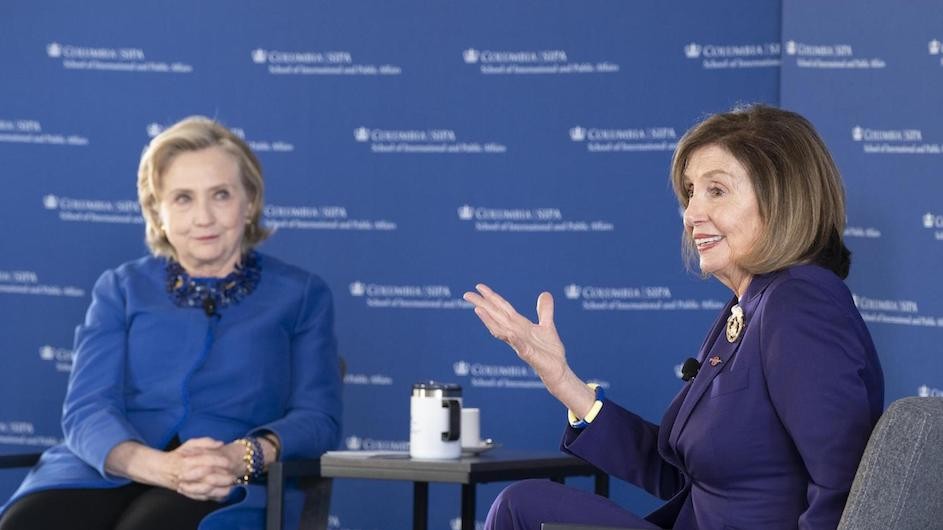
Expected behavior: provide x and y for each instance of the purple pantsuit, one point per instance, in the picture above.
(768, 435)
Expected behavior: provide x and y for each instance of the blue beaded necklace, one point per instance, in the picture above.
(185, 291)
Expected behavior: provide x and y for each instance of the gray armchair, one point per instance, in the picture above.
(900, 476)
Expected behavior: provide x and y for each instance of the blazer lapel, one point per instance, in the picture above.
(664, 448)
(718, 349)
(715, 349)
(670, 420)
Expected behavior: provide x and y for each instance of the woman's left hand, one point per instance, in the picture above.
(210, 473)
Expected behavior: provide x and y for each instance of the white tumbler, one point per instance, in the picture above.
(435, 421)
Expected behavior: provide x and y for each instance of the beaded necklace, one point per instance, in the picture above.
(185, 291)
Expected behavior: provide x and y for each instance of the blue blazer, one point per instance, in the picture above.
(771, 435)
(148, 370)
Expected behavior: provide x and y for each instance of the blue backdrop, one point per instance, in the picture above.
(415, 148)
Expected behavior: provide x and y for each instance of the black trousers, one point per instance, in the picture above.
(131, 507)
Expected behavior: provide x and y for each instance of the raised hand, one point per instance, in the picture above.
(538, 344)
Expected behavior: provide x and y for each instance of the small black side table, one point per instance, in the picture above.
(497, 465)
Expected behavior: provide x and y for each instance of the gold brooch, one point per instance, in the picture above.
(734, 323)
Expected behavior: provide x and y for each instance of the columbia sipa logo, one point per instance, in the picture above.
(258, 56)
(461, 368)
(466, 212)
(791, 47)
(361, 134)
(62, 357)
(47, 352)
(692, 50)
(357, 289)
(857, 134)
(577, 134)
(153, 129)
(51, 202)
(926, 391)
(572, 291)
(935, 47)
(353, 443)
(54, 50)
(471, 56)
(932, 221)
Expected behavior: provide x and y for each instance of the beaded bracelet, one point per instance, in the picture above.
(254, 460)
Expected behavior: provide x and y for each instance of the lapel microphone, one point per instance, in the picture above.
(209, 307)
(689, 369)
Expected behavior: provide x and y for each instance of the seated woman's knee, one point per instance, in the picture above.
(523, 492)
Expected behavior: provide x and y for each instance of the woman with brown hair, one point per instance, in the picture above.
(769, 432)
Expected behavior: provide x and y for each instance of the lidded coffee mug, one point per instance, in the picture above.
(435, 420)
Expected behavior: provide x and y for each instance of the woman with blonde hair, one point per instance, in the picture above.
(196, 366)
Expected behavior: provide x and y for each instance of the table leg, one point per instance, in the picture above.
(468, 506)
(602, 484)
(420, 505)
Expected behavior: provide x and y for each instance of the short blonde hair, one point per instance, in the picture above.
(797, 184)
(196, 133)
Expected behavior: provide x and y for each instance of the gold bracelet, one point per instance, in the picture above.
(253, 459)
(272, 438)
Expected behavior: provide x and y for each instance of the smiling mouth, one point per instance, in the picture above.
(707, 242)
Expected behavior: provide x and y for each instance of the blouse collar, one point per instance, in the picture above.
(186, 291)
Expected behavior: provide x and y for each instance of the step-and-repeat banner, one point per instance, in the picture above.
(870, 77)
(412, 149)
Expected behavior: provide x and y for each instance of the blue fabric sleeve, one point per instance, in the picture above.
(93, 415)
(312, 423)
(822, 380)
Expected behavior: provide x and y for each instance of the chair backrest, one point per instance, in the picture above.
(317, 506)
(899, 483)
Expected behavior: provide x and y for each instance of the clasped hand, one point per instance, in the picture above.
(206, 469)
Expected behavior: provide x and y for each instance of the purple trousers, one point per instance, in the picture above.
(525, 505)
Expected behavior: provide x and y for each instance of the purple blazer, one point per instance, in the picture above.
(770, 436)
